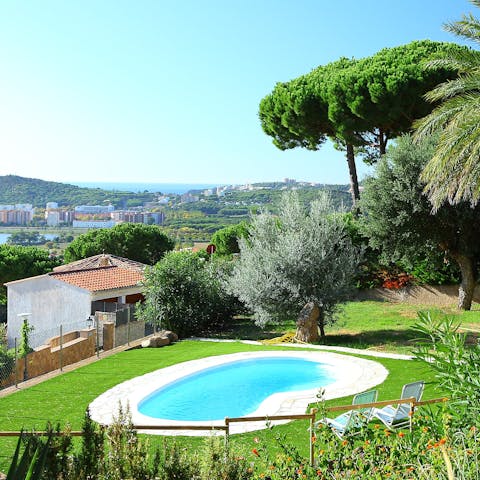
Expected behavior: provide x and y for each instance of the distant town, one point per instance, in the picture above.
(150, 212)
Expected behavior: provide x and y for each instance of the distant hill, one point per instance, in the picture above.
(14, 189)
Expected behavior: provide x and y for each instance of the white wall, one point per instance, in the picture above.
(50, 302)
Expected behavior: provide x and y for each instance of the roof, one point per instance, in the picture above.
(102, 260)
(101, 278)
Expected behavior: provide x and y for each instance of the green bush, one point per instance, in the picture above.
(184, 293)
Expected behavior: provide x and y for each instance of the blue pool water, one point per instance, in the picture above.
(234, 389)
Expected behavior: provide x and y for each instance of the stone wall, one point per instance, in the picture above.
(438, 295)
(46, 358)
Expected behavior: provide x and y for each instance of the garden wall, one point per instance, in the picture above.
(438, 295)
(46, 358)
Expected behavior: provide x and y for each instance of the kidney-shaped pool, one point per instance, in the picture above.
(234, 389)
(262, 383)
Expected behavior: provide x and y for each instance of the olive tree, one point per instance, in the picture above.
(297, 258)
(399, 219)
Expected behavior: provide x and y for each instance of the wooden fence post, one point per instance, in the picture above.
(227, 431)
(60, 353)
(313, 413)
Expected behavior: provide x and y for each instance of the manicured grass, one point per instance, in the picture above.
(64, 399)
(375, 325)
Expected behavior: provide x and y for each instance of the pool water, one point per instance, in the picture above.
(233, 389)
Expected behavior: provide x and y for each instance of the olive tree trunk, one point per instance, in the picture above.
(467, 285)
(307, 323)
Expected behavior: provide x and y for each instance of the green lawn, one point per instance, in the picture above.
(64, 398)
(380, 326)
(366, 325)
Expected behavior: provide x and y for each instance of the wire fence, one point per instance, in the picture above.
(52, 349)
(42, 337)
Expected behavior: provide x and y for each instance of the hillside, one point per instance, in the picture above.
(14, 189)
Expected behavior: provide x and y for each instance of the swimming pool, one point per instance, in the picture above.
(346, 375)
(234, 389)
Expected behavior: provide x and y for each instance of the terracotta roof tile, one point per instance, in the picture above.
(103, 278)
(102, 260)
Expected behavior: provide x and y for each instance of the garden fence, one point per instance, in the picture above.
(267, 420)
(53, 349)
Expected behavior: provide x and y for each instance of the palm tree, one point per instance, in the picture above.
(453, 173)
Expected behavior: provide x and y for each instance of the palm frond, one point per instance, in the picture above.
(468, 27)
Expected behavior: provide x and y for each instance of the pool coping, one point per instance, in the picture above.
(356, 375)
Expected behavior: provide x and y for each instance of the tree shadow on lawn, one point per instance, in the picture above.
(373, 338)
(244, 328)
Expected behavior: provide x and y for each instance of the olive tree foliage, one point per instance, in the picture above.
(297, 257)
(399, 220)
(135, 241)
(184, 293)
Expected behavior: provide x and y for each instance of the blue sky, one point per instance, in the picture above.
(168, 90)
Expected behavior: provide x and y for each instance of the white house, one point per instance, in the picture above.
(67, 295)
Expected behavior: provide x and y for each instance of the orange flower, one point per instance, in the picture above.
(401, 434)
(255, 452)
(377, 427)
(442, 441)
(345, 442)
(314, 438)
(388, 433)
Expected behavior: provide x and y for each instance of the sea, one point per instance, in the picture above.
(178, 188)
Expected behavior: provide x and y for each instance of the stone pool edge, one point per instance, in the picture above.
(363, 374)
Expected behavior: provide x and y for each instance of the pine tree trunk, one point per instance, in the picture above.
(467, 285)
(382, 142)
(352, 170)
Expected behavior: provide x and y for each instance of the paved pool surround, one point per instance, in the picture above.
(353, 375)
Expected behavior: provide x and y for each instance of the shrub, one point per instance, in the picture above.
(456, 363)
(184, 293)
(220, 462)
